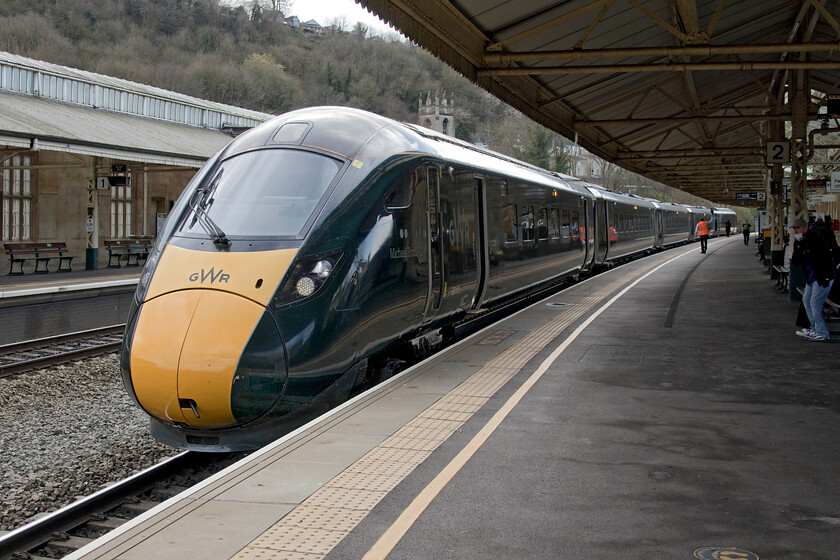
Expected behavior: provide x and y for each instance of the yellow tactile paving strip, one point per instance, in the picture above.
(313, 529)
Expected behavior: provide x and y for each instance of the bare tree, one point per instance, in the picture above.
(339, 23)
(612, 175)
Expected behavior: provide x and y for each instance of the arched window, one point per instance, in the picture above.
(445, 126)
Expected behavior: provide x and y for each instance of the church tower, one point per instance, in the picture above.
(437, 116)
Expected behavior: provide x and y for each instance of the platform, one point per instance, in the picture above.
(660, 409)
(12, 285)
(34, 306)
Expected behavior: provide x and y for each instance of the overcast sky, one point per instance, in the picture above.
(324, 11)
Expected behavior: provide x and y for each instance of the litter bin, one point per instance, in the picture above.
(91, 258)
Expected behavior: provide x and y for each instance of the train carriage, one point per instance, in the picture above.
(698, 212)
(722, 215)
(313, 251)
(673, 224)
(624, 226)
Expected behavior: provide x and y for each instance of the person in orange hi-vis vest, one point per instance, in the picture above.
(703, 232)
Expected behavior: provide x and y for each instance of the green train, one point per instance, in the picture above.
(316, 251)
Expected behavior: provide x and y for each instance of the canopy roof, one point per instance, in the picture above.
(680, 91)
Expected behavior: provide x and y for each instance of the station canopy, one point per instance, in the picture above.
(682, 91)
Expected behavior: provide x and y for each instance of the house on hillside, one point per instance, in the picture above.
(313, 26)
(310, 26)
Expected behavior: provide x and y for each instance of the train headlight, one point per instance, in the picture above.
(307, 278)
(305, 287)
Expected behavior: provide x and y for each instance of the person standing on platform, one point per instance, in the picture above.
(728, 227)
(745, 229)
(812, 251)
(702, 230)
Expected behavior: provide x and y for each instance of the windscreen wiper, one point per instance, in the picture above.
(200, 202)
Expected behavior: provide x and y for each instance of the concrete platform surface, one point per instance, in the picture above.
(664, 409)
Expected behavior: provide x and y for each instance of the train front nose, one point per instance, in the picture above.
(206, 358)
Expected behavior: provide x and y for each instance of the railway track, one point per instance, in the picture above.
(80, 523)
(33, 354)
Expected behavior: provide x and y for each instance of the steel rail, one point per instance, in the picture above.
(40, 532)
(88, 337)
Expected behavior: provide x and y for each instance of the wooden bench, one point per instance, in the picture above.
(41, 253)
(132, 249)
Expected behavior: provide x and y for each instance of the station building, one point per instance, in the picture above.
(86, 157)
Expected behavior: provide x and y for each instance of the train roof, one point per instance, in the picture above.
(672, 206)
(357, 134)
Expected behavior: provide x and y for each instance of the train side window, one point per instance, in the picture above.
(510, 221)
(576, 227)
(542, 225)
(399, 197)
(527, 223)
(565, 225)
(554, 223)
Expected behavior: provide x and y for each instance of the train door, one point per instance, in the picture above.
(659, 213)
(480, 245)
(602, 230)
(433, 222)
(584, 232)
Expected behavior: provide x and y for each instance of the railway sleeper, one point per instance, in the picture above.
(65, 543)
(104, 524)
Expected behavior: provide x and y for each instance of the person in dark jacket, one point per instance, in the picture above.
(813, 252)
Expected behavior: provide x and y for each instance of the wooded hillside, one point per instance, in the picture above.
(248, 57)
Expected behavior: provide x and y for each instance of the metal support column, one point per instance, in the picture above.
(799, 91)
(92, 222)
(775, 206)
(799, 149)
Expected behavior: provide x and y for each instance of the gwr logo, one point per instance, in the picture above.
(211, 275)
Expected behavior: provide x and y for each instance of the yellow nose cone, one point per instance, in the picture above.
(185, 351)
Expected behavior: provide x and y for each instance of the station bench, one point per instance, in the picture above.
(41, 253)
(132, 249)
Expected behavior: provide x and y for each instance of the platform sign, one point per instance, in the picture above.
(160, 222)
(834, 184)
(746, 196)
(778, 152)
(833, 104)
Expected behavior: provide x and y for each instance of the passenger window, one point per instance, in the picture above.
(554, 223)
(527, 223)
(509, 219)
(542, 224)
(566, 225)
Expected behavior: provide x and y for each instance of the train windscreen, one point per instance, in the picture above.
(263, 193)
